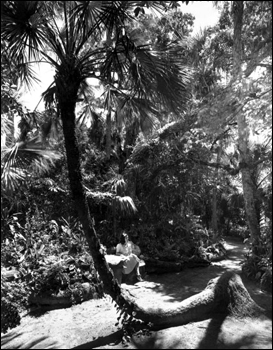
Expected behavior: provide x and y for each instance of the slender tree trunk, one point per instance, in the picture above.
(214, 222)
(189, 310)
(130, 138)
(75, 177)
(243, 129)
(108, 134)
(67, 87)
(214, 196)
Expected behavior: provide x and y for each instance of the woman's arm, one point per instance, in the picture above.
(130, 250)
(119, 250)
(117, 253)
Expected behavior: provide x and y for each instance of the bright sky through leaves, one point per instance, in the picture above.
(205, 15)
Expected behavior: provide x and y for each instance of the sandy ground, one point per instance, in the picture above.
(91, 325)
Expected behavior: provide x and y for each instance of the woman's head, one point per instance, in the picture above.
(123, 238)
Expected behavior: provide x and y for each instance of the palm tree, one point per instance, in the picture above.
(21, 156)
(84, 40)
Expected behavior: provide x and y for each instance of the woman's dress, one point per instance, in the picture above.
(131, 259)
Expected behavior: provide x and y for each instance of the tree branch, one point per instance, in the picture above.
(229, 169)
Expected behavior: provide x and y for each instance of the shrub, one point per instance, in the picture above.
(10, 317)
(49, 257)
(259, 269)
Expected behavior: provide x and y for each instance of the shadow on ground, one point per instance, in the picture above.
(92, 324)
(17, 341)
(114, 339)
(175, 287)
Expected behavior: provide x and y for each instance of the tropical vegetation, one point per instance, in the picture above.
(176, 150)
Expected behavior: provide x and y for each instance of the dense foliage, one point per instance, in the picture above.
(167, 173)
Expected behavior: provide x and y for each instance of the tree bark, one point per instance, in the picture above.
(220, 292)
(67, 109)
(67, 86)
(214, 196)
(225, 294)
(108, 134)
(243, 129)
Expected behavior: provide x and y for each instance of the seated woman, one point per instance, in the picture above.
(131, 261)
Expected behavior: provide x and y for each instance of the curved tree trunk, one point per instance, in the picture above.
(225, 294)
(67, 109)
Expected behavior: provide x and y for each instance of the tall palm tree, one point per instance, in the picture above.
(88, 39)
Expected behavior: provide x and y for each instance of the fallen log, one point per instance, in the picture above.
(50, 300)
(225, 294)
(88, 292)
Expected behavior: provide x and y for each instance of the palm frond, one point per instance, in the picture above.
(124, 205)
(119, 186)
(6, 128)
(22, 26)
(172, 128)
(99, 197)
(140, 153)
(50, 129)
(49, 95)
(94, 17)
(12, 178)
(162, 77)
(24, 157)
(23, 29)
(86, 96)
(132, 111)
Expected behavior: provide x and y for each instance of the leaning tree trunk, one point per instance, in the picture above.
(67, 89)
(78, 193)
(220, 292)
(243, 129)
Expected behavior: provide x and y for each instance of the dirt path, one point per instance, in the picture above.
(91, 325)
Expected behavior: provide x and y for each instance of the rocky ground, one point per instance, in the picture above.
(91, 325)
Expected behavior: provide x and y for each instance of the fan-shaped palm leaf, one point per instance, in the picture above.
(130, 109)
(119, 186)
(67, 42)
(124, 205)
(17, 161)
